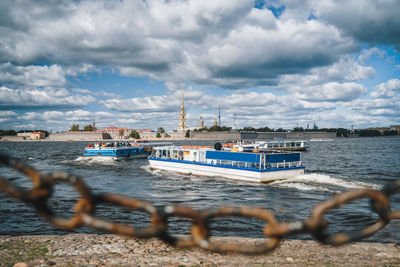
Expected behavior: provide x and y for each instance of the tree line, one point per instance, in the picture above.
(340, 132)
(87, 128)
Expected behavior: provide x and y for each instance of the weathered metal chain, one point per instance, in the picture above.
(274, 231)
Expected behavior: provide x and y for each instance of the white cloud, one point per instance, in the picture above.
(60, 121)
(345, 70)
(223, 43)
(95, 94)
(7, 116)
(370, 21)
(374, 22)
(63, 120)
(143, 104)
(251, 55)
(387, 89)
(7, 113)
(34, 76)
(40, 98)
(169, 102)
(257, 109)
(382, 107)
(332, 91)
(80, 69)
(307, 65)
(367, 53)
(298, 10)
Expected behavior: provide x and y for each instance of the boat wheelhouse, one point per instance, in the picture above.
(247, 166)
(116, 150)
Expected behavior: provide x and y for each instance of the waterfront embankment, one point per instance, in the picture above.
(152, 136)
(114, 250)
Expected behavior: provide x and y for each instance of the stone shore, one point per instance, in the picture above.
(114, 250)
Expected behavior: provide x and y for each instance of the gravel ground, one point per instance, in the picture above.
(113, 250)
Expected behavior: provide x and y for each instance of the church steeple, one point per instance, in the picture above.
(182, 116)
(201, 123)
(182, 106)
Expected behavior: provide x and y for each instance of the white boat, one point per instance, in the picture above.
(286, 145)
(247, 166)
(121, 150)
(116, 150)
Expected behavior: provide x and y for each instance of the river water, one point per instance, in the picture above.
(331, 167)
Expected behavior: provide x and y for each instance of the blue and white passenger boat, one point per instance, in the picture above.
(262, 167)
(116, 150)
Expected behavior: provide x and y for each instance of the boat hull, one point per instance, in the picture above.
(231, 172)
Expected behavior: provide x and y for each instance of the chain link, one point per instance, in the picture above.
(200, 234)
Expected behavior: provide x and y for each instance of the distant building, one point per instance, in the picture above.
(37, 135)
(201, 123)
(32, 135)
(182, 117)
(215, 123)
(26, 135)
(380, 129)
(145, 131)
(315, 127)
(395, 127)
(114, 132)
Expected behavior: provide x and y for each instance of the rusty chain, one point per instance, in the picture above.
(274, 231)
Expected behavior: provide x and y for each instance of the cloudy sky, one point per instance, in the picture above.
(280, 63)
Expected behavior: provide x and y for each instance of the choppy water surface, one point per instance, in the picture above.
(331, 167)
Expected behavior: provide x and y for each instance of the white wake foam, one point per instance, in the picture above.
(158, 172)
(95, 160)
(305, 182)
(323, 182)
(152, 171)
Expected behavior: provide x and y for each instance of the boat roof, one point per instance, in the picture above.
(210, 148)
(186, 148)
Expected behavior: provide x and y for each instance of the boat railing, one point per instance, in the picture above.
(106, 147)
(285, 165)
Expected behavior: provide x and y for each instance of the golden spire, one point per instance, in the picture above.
(182, 96)
(182, 115)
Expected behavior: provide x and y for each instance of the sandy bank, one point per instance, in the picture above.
(113, 250)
